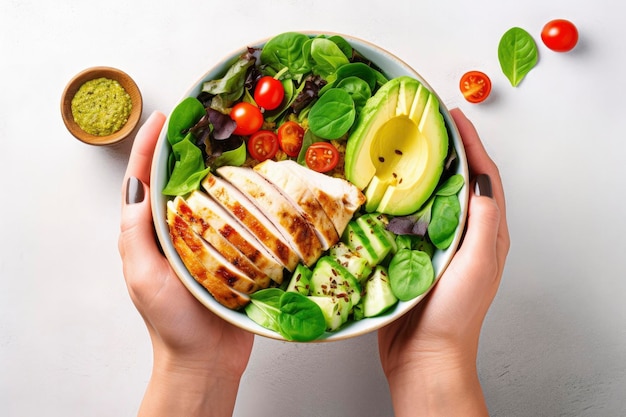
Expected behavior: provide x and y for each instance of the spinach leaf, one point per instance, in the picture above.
(358, 69)
(333, 114)
(189, 168)
(517, 53)
(291, 314)
(444, 220)
(186, 114)
(264, 308)
(327, 57)
(358, 89)
(343, 44)
(415, 242)
(411, 273)
(451, 186)
(300, 319)
(286, 50)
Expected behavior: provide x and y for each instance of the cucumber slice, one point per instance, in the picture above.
(377, 235)
(352, 261)
(358, 242)
(379, 221)
(378, 295)
(335, 310)
(300, 280)
(331, 279)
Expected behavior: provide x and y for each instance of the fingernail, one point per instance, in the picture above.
(134, 191)
(483, 186)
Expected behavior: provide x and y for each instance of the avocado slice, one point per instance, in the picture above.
(398, 148)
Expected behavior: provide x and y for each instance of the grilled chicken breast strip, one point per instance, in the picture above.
(298, 192)
(205, 230)
(214, 279)
(250, 216)
(339, 198)
(292, 224)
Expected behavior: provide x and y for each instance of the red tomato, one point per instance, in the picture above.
(269, 93)
(475, 86)
(322, 156)
(290, 136)
(248, 117)
(263, 145)
(560, 35)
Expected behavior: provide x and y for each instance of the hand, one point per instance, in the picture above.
(198, 357)
(429, 355)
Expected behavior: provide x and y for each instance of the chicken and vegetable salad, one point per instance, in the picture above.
(307, 189)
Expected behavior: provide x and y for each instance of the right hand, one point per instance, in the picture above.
(441, 333)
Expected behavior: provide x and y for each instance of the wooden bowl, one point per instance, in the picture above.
(90, 74)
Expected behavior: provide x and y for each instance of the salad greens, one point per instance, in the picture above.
(517, 53)
(326, 83)
(291, 314)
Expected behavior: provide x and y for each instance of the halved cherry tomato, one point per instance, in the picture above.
(560, 35)
(263, 145)
(322, 156)
(269, 93)
(248, 117)
(290, 136)
(475, 86)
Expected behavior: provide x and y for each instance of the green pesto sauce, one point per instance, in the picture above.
(101, 106)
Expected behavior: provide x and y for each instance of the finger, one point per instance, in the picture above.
(137, 235)
(480, 163)
(143, 148)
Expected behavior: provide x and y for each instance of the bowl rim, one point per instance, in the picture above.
(92, 73)
(239, 319)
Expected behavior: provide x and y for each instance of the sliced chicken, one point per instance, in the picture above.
(297, 191)
(215, 279)
(213, 237)
(217, 218)
(250, 216)
(291, 223)
(339, 198)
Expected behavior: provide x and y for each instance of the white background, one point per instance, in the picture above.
(554, 342)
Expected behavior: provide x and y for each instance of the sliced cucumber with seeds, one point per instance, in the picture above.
(378, 295)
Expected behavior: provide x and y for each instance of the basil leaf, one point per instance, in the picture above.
(517, 53)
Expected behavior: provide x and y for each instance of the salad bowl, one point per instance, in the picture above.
(392, 67)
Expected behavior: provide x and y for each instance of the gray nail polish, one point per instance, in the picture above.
(483, 185)
(134, 191)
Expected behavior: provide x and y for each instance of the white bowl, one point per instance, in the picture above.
(392, 67)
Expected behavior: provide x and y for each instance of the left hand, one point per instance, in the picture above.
(186, 336)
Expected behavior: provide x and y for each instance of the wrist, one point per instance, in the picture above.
(438, 386)
(185, 387)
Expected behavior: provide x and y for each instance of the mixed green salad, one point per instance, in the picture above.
(317, 101)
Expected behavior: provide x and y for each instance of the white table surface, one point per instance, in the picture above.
(554, 342)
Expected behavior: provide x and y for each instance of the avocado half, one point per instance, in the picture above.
(398, 148)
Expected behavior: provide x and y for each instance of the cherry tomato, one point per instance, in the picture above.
(475, 86)
(269, 93)
(290, 136)
(263, 145)
(560, 35)
(322, 156)
(248, 117)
